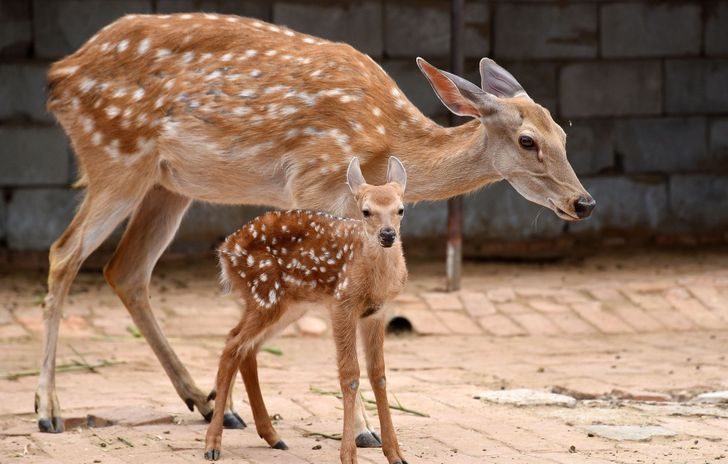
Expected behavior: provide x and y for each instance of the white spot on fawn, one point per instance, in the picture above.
(144, 46)
(123, 45)
(112, 111)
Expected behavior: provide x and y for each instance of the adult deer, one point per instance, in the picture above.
(163, 110)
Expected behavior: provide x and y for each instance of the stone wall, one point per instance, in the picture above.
(640, 87)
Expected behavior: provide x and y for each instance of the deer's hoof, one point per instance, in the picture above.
(280, 445)
(212, 455)
(231, 420)
(52, 425)
(368, 440)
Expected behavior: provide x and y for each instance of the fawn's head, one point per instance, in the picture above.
(529, 148)
(381, 206)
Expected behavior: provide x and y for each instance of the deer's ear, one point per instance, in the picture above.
(459, 95)
(495, 80)
(396, 172)
(354, 177)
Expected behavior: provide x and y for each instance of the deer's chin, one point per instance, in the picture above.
(562, 214)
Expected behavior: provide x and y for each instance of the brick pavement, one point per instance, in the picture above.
(635, 339)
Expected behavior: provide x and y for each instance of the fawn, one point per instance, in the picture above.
(354, 265)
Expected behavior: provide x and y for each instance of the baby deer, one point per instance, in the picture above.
(354, 265)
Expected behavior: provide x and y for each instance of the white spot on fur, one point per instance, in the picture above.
(380, 129)
(376, 111)
(226, 57)
(86, 85)
(256, 73)
(123, 45)
(112, 111)
(144, 46)
(271, 52)
(309, 40)
(162, 53)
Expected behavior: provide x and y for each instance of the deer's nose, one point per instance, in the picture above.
(387, 236)
(583, 206)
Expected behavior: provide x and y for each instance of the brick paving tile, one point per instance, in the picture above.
(648, 301)
(570, 323)
(672, 319)
(636, 317)
(442, 301)
(547, 306)
(606, 294)
(710, 297)
(604, 322)
(570, 296)
(536, 323)
(476, 303)
(500, 325)
(501, 295)
(513, 308)
(459, 322)
(12, 331)
(424, 322)
(694, 310)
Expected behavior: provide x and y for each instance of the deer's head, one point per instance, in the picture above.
(526, 147)
(381, 206)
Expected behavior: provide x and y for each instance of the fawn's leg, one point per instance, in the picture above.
(372, 330)
(100, 212)
(266, 431)
(344, 329)
(225, 373)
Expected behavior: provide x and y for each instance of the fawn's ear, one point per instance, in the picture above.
(496, 80)
(459, 95)
(354, 177)
(396, 172)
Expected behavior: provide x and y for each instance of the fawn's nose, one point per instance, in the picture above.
(387, 236)
(583, 206)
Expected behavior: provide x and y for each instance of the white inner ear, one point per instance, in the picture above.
(354, 177)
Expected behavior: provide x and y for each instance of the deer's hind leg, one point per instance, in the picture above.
(129, 272)
(102, 209)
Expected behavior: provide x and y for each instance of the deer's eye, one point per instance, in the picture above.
(526, 142)
(366, 213)
(400, 211)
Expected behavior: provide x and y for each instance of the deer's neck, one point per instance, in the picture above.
(444, 162)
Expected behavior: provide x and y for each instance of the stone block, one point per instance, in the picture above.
(650, 29)
(61, 27)
(696, 86)
(624, 204)
(590, 146)
(719, 142)
(16, 27)
(700, 202)
(663, 144)
(562, 30)
(23, 92)
(206, 225)
(716, 29)
(630, 432)
(500, 212)
(538, 79)
(356, 23)
(37, 217)
(611, 89)
(33, 156)
(425, 220)
(423, 29)
(526, 397)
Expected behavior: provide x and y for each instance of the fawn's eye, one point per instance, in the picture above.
(400, 211)
(366, 212)
(526, 142)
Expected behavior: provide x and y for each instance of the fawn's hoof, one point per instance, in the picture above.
(400, 462)
(231, 420)
(212, 455)
(52, 425)
(280, 445)
(368, 440)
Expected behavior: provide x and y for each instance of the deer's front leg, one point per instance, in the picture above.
(344, 328)
(373, 340)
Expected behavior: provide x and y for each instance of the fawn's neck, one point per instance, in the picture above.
(444, 162)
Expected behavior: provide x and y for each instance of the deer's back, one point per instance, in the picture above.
(296, 255)
(238, 85)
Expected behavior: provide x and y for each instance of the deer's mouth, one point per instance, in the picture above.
(562, 214)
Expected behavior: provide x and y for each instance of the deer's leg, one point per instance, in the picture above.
(150, 230)
(263, 425)
(99, 214)
(344, 329)
(372, 331)
(229, 361)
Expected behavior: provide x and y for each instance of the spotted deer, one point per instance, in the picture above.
(162, 110)
(352, 265)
